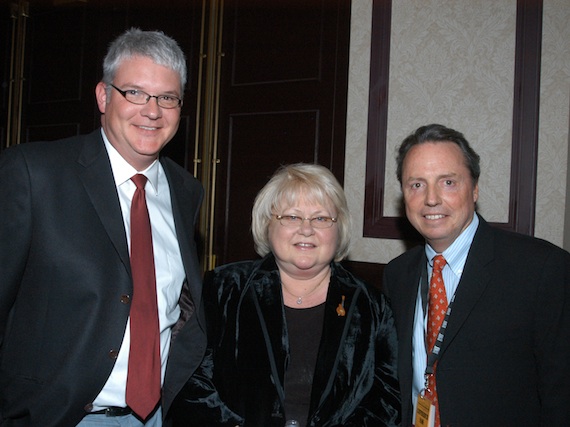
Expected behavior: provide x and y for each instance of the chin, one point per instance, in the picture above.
(304, 266)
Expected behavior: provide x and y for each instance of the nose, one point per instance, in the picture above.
(306, 228)
(151, 108)
(433, 197)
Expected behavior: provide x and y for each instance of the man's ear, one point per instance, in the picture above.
(476, 193)
(101, 96)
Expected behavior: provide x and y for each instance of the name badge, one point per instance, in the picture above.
(424, 414)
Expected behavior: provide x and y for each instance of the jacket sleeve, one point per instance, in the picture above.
(381, 407)
(199, 404)
(15, 229)
(552, 337)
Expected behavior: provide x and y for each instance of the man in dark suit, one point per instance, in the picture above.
(504, 352)
(67, 293)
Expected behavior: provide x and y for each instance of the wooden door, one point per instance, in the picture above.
(283, 85)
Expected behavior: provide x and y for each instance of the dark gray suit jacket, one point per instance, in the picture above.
(505, 359)
(64, 265)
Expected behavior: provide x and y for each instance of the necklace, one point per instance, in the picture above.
(299, 298)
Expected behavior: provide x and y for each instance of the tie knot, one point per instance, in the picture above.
(439, 262)
(140, 180)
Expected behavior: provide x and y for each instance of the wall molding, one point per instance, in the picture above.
(524, 154)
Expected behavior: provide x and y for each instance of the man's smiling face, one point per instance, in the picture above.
(439, 192)
(139, 132)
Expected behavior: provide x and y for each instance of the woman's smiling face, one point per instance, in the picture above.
(303, 251)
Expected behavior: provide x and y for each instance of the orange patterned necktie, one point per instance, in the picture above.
(437, 306)
(143, 378)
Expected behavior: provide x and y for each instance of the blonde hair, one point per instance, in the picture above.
(291, 182)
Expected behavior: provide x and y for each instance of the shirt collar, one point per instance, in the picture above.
(456, 253)
(123, 171)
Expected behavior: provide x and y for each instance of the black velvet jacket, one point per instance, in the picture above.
(240, 381)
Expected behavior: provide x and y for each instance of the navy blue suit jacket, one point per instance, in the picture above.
(64, 266)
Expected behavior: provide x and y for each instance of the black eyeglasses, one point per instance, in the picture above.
(140, 97)
(296, 221)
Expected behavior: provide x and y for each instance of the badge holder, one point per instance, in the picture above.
(424, 410)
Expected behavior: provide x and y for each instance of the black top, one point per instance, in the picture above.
(305, 326)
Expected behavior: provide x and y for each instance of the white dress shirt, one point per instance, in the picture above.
(168, 264)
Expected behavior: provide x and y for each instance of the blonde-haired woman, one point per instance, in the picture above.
(294, 336)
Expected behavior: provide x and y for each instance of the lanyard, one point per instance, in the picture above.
(433, 356)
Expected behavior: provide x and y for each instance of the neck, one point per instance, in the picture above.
(305, 293)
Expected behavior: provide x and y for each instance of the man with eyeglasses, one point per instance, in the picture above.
(98, 258)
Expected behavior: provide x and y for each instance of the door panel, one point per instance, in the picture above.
(255, 152)
(284, 82)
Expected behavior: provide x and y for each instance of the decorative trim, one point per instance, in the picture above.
(522, 198)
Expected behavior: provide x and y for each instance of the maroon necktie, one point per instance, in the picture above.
(143, 379)
(437, 306)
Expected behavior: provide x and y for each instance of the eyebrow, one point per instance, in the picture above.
(442, 176)
(297, 212)
(132, 86)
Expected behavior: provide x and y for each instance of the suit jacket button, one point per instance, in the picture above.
(113, 354)
(126, 299)
(88, 407)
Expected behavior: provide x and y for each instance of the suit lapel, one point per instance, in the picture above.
(268, 302)
(407, 285)
(474, 280)
(267, 290)
(97, 177)
(334, 332)
(184, 195)
(410, 285)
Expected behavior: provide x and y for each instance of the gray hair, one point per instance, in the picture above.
(288, 185)
(163, 50)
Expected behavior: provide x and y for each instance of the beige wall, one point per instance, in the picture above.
(452, 62)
